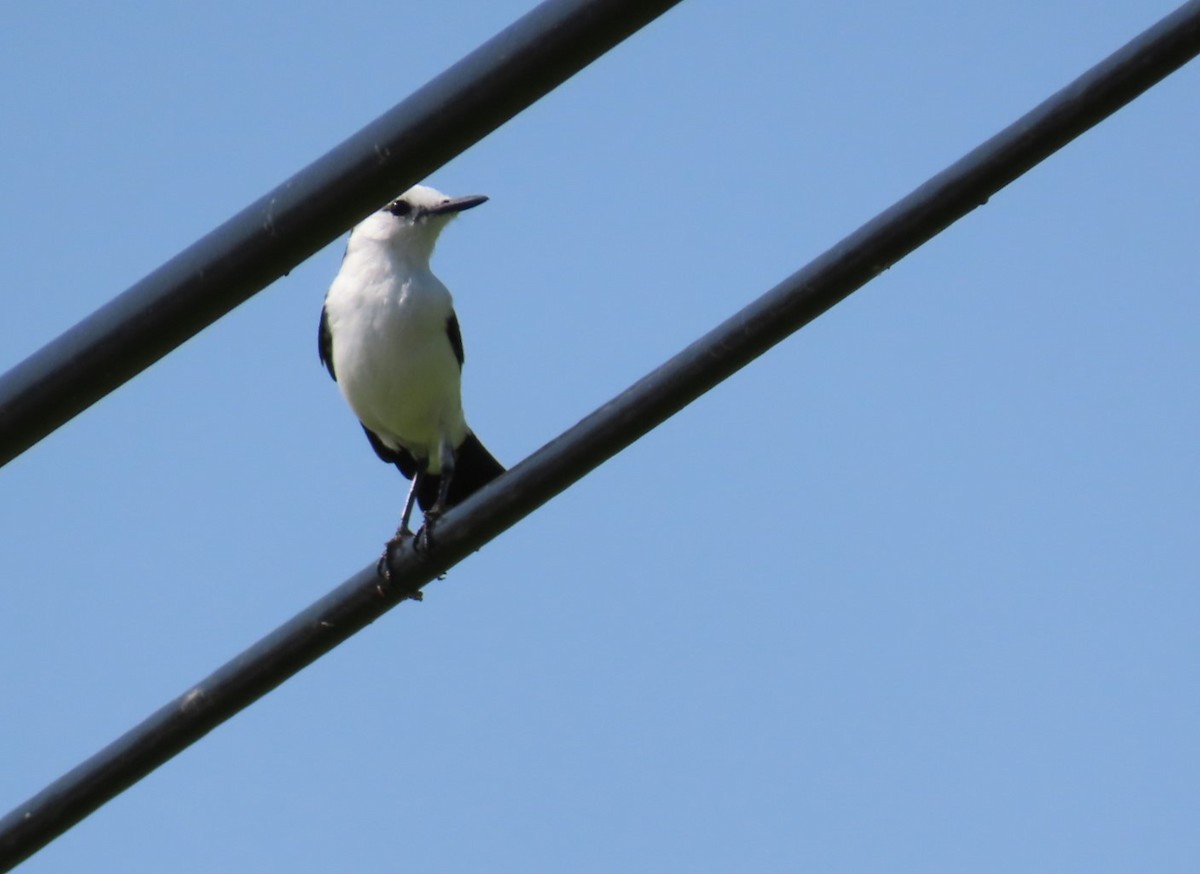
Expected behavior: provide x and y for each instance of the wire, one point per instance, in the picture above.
(271, 236)
(781, 311)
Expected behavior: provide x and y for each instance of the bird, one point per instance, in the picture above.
(390, 339)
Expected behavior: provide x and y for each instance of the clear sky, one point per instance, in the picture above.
(917, 591)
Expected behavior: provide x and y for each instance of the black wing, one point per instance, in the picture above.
(455, 335)
(325, 343)
(402, 458)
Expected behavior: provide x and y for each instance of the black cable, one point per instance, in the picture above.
(271, 236)
(786, 308)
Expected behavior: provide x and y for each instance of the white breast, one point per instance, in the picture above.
(394, 362)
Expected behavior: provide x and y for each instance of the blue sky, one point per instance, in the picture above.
(916, 591)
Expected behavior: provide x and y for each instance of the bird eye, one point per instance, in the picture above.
(399, 208)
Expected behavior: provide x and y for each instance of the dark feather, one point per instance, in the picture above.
(455, 335)
(474, 468)
(325, 344)
(399, 457)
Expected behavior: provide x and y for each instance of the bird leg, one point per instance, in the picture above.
(424, 536)
(403, 532)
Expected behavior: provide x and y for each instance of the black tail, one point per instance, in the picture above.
(474, 468)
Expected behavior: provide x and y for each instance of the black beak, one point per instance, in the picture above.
(456, 204)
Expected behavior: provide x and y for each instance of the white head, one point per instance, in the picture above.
(412, 222)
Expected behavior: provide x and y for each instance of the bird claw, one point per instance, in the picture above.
(424, 540)
(384, 566)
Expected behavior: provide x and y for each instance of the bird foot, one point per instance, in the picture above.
(424, 539)
(390, 550)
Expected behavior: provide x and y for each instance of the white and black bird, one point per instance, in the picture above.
(390, 338)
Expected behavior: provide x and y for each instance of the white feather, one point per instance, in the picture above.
(388, 316)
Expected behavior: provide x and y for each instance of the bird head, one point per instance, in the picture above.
(412, 222)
